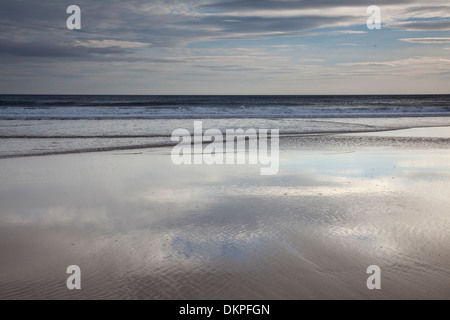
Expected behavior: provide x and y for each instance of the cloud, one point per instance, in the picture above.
(347, 32)
(399, 62)
(54, 50)
(414, 69)
(177, 46)
(423, 26)
(432, 9)
(174, 23)
(429, 40)
(169, 23)
(111, 44)
(369, 64)
(310, 60)
(250, 5)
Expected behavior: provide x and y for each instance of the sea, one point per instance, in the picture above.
(38, 125)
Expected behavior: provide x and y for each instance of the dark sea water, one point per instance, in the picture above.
(62, 107)
(53, 124)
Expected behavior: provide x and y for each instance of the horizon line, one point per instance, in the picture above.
(237, 95)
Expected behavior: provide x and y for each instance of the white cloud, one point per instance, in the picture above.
(347, 32)
(429, 40)
(400, 62)
(110, 43)
(310, 60)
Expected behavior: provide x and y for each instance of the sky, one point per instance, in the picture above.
(224, 47)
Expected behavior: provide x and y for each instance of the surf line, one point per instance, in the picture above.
(263, 149)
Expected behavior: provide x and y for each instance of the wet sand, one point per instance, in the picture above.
(141, 227)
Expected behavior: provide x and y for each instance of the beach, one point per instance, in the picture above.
(141, 227)
(241, 151)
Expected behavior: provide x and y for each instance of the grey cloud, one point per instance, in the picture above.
(251, 5)
(232, 68)
(53, 50)
(155, 22)
(259, 25)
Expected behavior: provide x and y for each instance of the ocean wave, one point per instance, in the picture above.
(107, 113)
(219, 107)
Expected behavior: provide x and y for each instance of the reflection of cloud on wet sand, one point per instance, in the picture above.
(163, 231)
